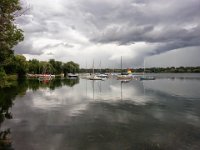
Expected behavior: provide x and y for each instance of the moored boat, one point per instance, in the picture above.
(147, 78)
(95, 77)
(124, 76)
(45, 77)
(72, 75)
(102, 76)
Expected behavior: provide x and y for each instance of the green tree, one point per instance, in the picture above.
(10, 65)
(21, 65)
(57, 66)
(10, 35)
(46, 67)
(70, 67)
(2, 78)
(34, 66)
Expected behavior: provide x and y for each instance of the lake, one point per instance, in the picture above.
(161, 114)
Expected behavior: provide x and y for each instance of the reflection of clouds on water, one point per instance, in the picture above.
(192, 119)
(129, 92)
(48, 98)
(65, 98)
(113, 91)
(175, 87)
(69, 117)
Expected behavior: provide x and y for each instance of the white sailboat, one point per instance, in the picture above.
(122, 76)
(93, 76)
(102, 75)
(145, 77)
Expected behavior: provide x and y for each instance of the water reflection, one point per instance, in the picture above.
(7, 96)
(177, 87)
(84, 114)
(52, 84)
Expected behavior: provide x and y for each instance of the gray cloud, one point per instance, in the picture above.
(166, 23)
(123, 35)
(170, 24)
(66, 45)
(26, 47)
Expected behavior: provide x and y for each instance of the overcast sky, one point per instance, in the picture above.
(165, 33)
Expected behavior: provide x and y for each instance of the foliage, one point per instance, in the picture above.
(10, 35)
(16, 65)
(21, 65)
(2, 77)
(51, 67)
(57, 66)
(10, 65)
(70, 67)
(46, 67)
(34, 66)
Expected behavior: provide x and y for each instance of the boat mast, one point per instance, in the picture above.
(100, 66)
(93, 67)
(144, 65)
(86, 65)
(121, 64)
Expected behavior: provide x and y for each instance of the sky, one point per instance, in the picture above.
(163, 33)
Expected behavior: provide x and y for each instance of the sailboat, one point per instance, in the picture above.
(124, 76)
(102, 75)
(93, 76)
(145, 77)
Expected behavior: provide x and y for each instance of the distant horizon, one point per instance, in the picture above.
(142, 67)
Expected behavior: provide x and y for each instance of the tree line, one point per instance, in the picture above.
(52, 67)
(20, 66)
(180, 69)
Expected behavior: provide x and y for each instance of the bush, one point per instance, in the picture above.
(2, 77)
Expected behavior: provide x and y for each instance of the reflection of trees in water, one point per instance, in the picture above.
(20, 87)
(53, 84)
(70, 82)
(8, 94)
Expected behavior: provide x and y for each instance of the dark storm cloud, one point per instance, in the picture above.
(123, 36)
(175, 39)
(170, 24)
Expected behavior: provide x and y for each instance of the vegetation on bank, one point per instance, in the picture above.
(18, 65)
(170, 70)
(147, 70)
(51, 67)
(10, 35)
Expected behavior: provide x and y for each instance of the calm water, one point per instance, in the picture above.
(102, 115)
